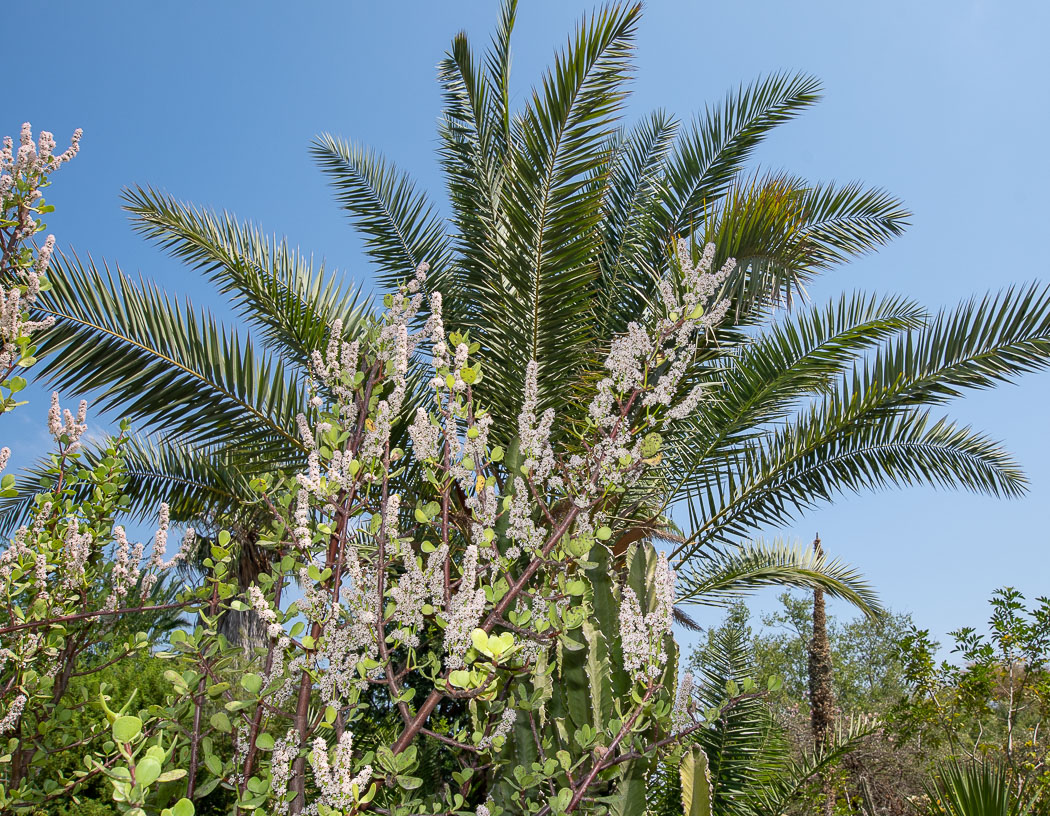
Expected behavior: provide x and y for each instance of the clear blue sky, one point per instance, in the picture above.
(946, 104)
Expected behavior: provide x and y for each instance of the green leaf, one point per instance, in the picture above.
(213, 764)
(126, 728)
(184, 807)
(147, 771)
(695, 774)
(459, 678)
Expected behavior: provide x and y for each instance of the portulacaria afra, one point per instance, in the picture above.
(434, 566)
(438, 580)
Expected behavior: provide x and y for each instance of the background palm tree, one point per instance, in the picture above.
(754, 769)
(562, 220)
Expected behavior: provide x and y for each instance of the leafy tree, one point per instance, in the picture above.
(991, 703)
(756, 768)
(867, 672)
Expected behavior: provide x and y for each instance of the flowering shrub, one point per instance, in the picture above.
(23, 176)
(75, 599)
(438, 575)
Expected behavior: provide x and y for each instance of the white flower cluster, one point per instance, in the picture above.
(426, 437)
(377, 436)
(14, 713)
(535, 435)
(301, 534)
(14, 324)
(435, 332)
(128, 569)
(19, 550)
(464, 612)
(127, 559)
(503, 727)
(22, 174)
(33, 160)
(157, 564)
(441, 442)
(62, 423)
(682, 713)
(416, 587)
(76, 549)
(402, 308)
(266, 613)
(336, 366)
(689, 311)
(643, 635)
(285, 751)
(699, 312)
(351, 637)
(335, 776)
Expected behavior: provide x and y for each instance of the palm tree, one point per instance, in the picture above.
(749, 759)
(562, 221)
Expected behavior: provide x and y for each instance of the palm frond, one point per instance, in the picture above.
(473, 156)
(764, 379)
(711, 153)
(497, 74)
(744, 746)
(197, 483)
(874, 429)
(632, 182)
(841, 446)
(550, 209)
(977, 345)
(272, 285)
(798, 776)
(782, 231)
(402, 228)
(162, 364)
(717, 579)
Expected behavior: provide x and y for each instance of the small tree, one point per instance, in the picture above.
(550, 659)
(992, 704)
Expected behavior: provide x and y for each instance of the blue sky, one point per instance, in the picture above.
(943, 103)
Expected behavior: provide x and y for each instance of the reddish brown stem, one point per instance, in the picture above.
(198, 707)
(96, 614)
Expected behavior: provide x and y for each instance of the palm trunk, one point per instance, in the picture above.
(821, 694)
